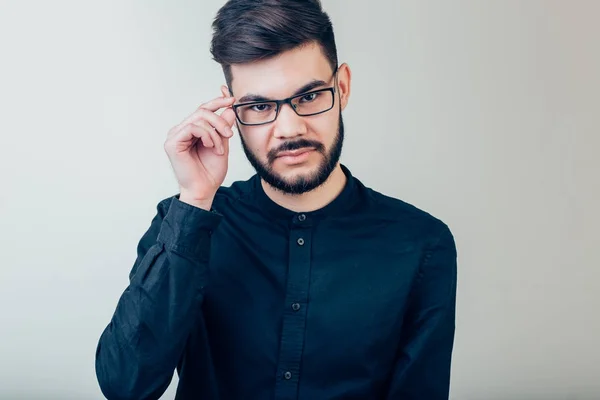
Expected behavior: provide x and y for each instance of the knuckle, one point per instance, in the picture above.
(202, 124)
(204, 113)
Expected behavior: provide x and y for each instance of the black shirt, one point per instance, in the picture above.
(253, 301)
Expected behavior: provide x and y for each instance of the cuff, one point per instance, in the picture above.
(186, 229)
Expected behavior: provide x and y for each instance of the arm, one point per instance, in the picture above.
(422, 369)
(138, 351)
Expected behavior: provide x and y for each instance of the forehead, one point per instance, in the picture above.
(281, 75)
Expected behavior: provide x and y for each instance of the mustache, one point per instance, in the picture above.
(295, 145)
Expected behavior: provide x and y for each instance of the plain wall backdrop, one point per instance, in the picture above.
(483, 113)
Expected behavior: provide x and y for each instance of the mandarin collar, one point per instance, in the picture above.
(338, 206)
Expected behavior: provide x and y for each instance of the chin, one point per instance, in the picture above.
(295, 177)
(307, 171)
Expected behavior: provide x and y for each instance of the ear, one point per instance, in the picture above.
(225, 91)
(344, 84)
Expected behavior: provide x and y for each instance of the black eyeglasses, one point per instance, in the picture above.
(304, 104)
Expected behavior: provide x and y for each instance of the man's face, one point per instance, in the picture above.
(294, 154)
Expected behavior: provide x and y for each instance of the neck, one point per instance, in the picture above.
(313, 200)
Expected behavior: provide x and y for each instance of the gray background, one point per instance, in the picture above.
(484, 113)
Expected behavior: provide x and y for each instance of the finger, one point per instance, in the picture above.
(215, 137)
(207, 141)
(187, 136)
(219, 102)
(212, 106)
(229, 116)
(176, 138)
(217, 121)
(225, 146)
(222, 125)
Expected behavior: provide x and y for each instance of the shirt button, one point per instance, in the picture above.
(301, 217)
(301, 242)
(295, 306)
(287, 375)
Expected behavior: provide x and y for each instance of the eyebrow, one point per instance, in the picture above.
(306, 88)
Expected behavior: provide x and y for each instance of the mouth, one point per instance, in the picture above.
(295, 156)
(294, 153)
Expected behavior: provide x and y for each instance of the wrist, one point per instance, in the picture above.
(204, 204)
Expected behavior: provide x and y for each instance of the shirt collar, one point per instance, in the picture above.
(338, 206)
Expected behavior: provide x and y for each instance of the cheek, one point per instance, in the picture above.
(257, 140)
(325, 130)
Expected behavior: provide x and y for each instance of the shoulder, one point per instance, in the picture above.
(405, 218)
(228, 196)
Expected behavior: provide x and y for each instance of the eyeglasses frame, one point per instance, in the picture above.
(288, 101)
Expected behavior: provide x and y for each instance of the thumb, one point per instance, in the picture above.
(225, 141)
(229, 116)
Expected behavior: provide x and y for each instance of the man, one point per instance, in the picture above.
(299, 283)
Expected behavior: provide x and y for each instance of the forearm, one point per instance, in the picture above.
(139, 349)
(423, 360)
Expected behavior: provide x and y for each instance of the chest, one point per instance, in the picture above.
(337, 290)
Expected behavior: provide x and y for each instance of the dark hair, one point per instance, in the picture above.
(251, 30)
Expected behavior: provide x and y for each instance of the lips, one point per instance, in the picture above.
(294, 153)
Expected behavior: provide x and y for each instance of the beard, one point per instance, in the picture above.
(305, 183)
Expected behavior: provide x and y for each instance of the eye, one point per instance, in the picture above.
(260, 107)
(307, 98)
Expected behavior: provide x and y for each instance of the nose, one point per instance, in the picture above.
(288, 124)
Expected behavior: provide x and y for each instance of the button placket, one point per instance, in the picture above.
(296, 297)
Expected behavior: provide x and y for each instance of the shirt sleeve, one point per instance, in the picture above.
(422, 369)
(138, 351)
